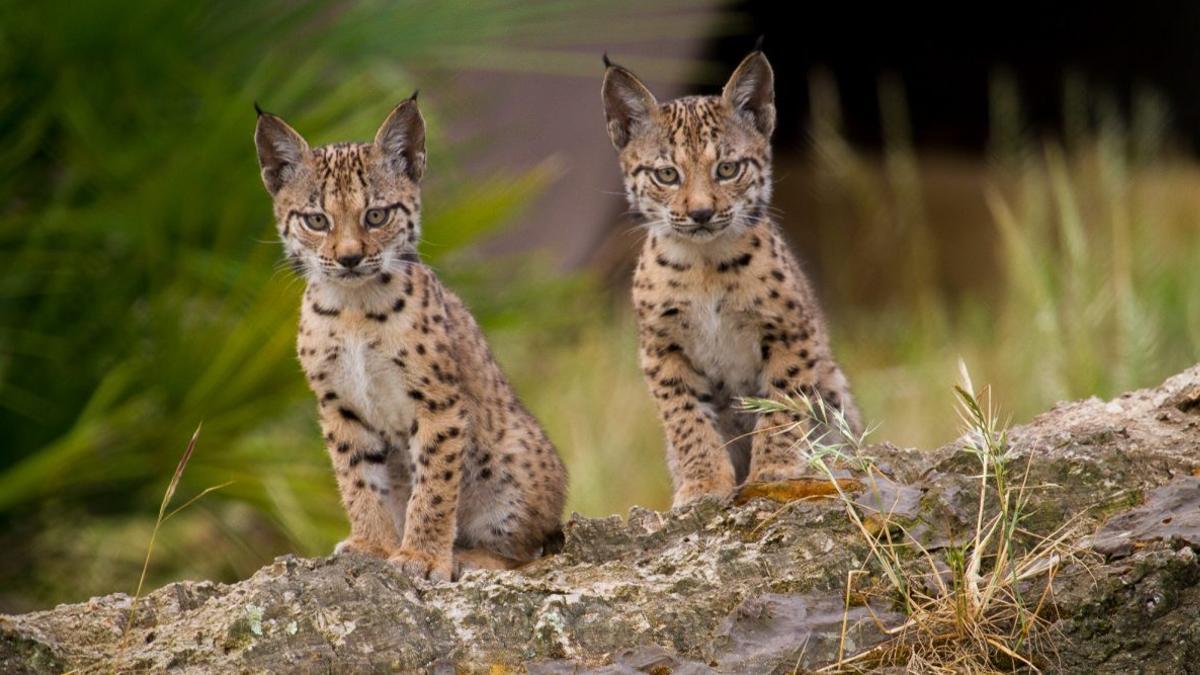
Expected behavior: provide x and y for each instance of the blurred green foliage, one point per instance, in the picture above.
(141, 290)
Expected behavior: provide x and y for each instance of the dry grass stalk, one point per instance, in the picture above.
(163, 516)
(966, 605)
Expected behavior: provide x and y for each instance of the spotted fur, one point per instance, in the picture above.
(438, 464)
(724, 310)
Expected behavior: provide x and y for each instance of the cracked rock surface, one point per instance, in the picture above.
(710, 588)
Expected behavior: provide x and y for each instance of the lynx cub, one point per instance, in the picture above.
(439, 465)
(723, 307)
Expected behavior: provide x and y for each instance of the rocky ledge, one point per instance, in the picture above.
(715, 587)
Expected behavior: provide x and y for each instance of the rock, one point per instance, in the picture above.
(1170, 513)
(713, 587)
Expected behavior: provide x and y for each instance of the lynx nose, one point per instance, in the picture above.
(350, 261)
(701, 216)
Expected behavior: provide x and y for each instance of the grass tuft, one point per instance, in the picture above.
(982, 606)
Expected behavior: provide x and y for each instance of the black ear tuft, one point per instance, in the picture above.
(259, 110)
(414, 95)
(758, 44)
(607, 63)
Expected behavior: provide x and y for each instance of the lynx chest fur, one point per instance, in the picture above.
(708, 314)
(357, 359)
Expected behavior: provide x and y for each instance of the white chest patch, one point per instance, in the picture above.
(371, 384)
(725, 345)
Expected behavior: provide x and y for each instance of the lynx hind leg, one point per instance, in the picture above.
(468, 559)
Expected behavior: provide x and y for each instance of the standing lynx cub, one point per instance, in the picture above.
(439, 465)
(723, 308)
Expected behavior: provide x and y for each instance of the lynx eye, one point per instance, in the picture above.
(316, 222)
(667, 175)
(727, 170)
(375, 217)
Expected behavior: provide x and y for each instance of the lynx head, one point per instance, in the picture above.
(346, 211)
(698, 167)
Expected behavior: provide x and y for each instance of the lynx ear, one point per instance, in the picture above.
(628, 104)
(280, 150)
(401, 139)
(751, 92)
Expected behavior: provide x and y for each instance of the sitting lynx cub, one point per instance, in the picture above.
(439, 465)
(723, 308)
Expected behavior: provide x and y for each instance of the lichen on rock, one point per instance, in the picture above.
(713, 587)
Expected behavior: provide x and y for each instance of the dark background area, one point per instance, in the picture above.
(946, 58)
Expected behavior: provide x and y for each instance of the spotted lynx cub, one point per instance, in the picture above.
(439, 465)
(723, 308)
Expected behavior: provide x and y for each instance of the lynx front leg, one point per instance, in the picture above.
(776, 451)
(436, 447)
(696, 456)
(358, 457)
(436, 443)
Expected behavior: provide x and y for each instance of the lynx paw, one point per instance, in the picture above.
(359, 546)
(421, 565)
(693, 490)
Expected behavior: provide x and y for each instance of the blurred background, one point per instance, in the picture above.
(1019, 190)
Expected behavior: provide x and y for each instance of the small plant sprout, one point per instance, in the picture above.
(965, 603)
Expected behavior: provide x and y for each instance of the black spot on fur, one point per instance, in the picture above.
(735, 264)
